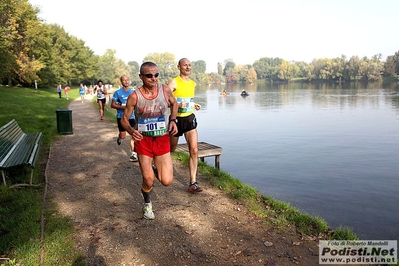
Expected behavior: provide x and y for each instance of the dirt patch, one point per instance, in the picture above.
(93, 182)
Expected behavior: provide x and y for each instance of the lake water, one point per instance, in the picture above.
(330, 150)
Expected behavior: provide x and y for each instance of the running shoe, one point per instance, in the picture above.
(133, 157)
(194, 187)
(119, 141)
(147, 211)
(102, 117)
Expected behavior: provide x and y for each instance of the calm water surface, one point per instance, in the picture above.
(329, 150)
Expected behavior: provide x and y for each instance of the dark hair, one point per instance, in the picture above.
(146, 64)
(99, 81)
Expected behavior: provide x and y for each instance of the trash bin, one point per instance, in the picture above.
(64, 121)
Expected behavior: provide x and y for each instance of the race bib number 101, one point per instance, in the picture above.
(152, 126)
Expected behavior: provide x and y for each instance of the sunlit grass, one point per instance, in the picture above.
(21, 208)
(344, 233)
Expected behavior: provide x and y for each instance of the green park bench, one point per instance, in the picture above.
(18, 148)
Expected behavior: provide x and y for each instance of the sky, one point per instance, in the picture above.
(218, 30)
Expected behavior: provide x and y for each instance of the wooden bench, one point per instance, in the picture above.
(18, 148)
(204, 150)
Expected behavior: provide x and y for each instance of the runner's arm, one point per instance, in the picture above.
(129, 109)
(173, 110)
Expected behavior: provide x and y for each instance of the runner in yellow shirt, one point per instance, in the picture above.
(184, 89)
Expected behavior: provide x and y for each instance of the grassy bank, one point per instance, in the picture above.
(277, 214)
(21, 208)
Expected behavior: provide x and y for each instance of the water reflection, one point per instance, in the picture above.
(329, 149)
(270, 96)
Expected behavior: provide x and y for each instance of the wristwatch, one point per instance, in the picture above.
(174, 120)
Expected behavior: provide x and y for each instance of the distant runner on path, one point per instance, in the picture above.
(101, 97)
(118, 102)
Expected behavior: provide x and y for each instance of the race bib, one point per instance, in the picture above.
(152, 126)
(186, 105)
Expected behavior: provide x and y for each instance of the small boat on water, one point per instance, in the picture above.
(244, 93)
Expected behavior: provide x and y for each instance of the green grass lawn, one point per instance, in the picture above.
(21, 208)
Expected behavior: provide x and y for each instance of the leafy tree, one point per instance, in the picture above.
(231, 76)
(354, 67)
(199, 66)
(112, 68)
(339, 71)
(220, 69)
(65, 58)
(198, 71)
(215, 78)
(323, 68)
(134, 73)
(31, 50)
(166, 63)
(82, 60)
(121, 68)
(59, 60)
(49, 54)
(243, 73)
(305, 71)
(371, 69)
(251, 75)
(228, 67)
(396, 60)
(389, 66)
(91, 65)
(202, 78)
(135, 66)
(268, 68)
(240, 72)
(261, 67)
(287, 71)
(17, 20)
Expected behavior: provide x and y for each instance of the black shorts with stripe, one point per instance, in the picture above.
(185, 124)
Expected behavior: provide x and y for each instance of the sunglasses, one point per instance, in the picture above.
(150, 75)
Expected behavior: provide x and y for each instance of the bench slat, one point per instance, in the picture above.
(16, 147)
(21, 152)
(33, 158)
(12, 151)
(9, 136)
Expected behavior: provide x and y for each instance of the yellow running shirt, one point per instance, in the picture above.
(184, 94)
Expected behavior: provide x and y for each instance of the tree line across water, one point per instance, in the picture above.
(32, 51)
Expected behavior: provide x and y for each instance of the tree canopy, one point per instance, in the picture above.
(31, 50)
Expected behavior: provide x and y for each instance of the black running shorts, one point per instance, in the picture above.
(185, 124)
